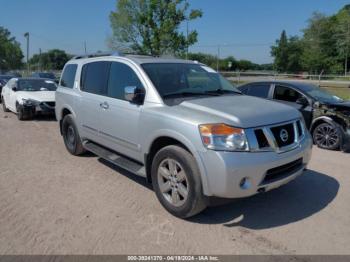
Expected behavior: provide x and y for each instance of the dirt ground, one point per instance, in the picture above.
(54, 203)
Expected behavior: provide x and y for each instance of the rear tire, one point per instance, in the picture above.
(71, 136)
(4, 105)
(328, 136)
(177, 183)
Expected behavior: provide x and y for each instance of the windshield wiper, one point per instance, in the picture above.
(188, 94)
(223, 91)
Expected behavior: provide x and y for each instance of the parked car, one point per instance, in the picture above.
(29, 96)
(3, 80)
(46, 75)
(326, 115)
(14, 74)
(180, 125)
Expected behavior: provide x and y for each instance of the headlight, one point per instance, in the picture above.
(347, 113)
(223, 137)
(28, 102)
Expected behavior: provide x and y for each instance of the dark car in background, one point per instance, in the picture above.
(46, 75)
(326, 115)
(3, 80)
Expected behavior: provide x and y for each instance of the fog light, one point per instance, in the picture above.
(245, 183)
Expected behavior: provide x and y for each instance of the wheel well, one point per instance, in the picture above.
(314, 125)
(158, 144)
(321, 121)
(65, 112)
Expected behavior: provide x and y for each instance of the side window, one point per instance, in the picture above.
(68, 76)
(286, 94)
(121, 76)
(94, 77)
(259, 90)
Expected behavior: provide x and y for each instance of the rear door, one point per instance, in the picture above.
(93, 86)
(289, 96)
(119, 127)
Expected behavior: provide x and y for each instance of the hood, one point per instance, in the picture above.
(243, 111)
(342, 106)
(40, 96)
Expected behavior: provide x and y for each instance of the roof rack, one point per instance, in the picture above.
(98, 54)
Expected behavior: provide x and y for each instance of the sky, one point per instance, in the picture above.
(243, 28)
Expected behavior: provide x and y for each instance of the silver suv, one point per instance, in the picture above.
(180, 125)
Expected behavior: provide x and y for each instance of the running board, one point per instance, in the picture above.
(115, 159)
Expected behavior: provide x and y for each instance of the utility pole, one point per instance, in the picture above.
(347, 49)
(218, 59)
(187, 38)
(39, 59)
(85, 47)
(26, 35)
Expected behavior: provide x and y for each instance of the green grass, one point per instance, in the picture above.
(343, 93)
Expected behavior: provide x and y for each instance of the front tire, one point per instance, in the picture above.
(71, 136)
(20, 113)
(177, 183)
(327, 136)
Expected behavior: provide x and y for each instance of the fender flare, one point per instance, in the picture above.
(326, 119)
(190, 146)
(59, 114)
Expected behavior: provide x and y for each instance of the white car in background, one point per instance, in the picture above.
(29, 96)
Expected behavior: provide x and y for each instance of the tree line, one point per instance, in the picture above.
(10, 51)
(323, 48)
(11, 56)
(227, 64)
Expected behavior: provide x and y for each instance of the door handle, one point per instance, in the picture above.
(104, 105)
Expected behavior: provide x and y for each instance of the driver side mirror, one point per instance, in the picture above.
(302, 101)
(317, 104)
(134, 94)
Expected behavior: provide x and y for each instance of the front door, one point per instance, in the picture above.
(120, 119)
(290, 96)
(11, 96)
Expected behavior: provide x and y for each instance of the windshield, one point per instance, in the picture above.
(36, 85)
(323, 95)
(180, 79)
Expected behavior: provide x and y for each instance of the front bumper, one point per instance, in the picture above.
(38, 108)
(225, 171)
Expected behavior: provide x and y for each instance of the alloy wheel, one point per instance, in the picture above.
(70, 136)
(172, 181)
(326, 136)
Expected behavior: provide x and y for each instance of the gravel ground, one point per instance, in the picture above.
(54, 203)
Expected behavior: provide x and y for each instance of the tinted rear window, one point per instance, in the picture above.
(94, 77)
(68, 76)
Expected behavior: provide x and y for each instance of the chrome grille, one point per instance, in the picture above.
(281, 137)
(288, 134)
